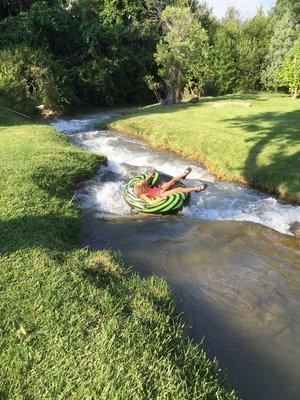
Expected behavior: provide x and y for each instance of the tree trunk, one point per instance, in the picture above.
(157, 95)
(171, 96)
(174, 85)
(179, 87)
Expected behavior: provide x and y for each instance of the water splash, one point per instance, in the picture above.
(128, 156)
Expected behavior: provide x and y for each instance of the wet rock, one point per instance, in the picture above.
(295, 228)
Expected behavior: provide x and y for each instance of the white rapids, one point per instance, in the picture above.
(128, 156)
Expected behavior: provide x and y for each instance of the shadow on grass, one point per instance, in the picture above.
(10, 118)
(166, 109)
(52, 231)
(274, 134)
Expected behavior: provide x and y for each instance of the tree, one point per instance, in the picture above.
(232, 15)
(224, 57)
(254, 39)
(285, 25)
(181, 53)
(13, 7)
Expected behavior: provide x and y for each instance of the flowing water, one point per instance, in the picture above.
(229, 256)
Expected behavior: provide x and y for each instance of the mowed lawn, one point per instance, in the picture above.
(76, 324)
(253, 139)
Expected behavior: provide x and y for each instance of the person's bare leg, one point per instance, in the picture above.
(167, 185)
(185, 190)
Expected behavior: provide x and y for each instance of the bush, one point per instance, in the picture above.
(30, 77)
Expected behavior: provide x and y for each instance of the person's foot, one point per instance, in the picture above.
(200, 188)
(186, 172)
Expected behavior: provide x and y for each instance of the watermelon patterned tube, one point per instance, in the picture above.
(174, 202)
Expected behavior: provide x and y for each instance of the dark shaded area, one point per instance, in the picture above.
(9, 8)
(283, 170)
(8, 118)
(53, 231)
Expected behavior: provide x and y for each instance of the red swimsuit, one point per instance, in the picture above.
(154, 192)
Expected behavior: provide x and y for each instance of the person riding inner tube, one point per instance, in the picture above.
(142, 194)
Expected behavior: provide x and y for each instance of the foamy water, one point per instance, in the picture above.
(128, 156)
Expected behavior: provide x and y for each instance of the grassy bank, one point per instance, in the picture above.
(251, 139)
(76, 324)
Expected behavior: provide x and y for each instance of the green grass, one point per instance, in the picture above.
(257, 145)
(76, 324)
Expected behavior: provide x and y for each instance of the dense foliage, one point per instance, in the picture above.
(182, 52)
(285, 29)
(224, 57)
(254, 40)
(68, 53)
(102, 50)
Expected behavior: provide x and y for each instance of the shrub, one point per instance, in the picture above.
(31, 77)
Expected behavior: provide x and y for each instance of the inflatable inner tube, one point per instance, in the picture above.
(172, 203)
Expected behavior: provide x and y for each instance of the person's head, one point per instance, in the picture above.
(140, 187)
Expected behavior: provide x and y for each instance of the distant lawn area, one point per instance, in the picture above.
(252, 139)
(76, 324)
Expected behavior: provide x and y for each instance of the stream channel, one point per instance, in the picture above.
(229, 257)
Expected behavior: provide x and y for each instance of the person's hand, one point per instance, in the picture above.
(150, 175)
